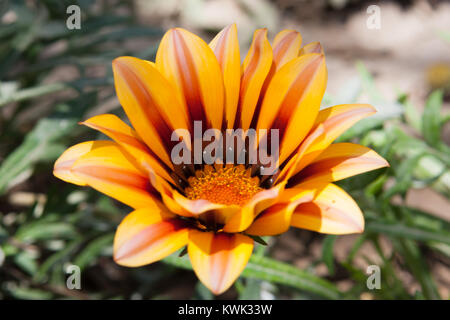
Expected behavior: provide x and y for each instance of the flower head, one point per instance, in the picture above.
(215, 207)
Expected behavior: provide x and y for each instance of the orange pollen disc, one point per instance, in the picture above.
(226, 185)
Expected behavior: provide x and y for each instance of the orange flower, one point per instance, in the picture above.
(216, 209)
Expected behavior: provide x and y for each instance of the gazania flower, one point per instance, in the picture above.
(216, 210)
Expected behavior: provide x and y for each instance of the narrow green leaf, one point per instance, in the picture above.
(24, 293)
(403, 231)
(327, 252)
(252, 290)
(51, 261)
(45, 231)
(41, 143)
(30, 93)
(183, 252)
(276, 272)
(89, 254)
(416, 263)
(431, 124)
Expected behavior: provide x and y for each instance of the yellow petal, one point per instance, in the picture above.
(226, 48)
(108, 169)
(277, 218)
(288, 169)
(178, 203)
(256, 66)
(340, 161)
(313, 47)
(334, 121)
(332, 211)
(243, 217)
(150, 102)
(218, 259)
(120, 132)
(292, 100)
(147, 235)
(63, 166)
(191, 66)
(286, 46)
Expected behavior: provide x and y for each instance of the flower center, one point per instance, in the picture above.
(226, 185)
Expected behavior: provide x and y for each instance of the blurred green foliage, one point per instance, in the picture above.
(47, 224)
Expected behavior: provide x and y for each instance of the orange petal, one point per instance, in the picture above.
(277, 218)
(226, 48)
(288, 169)
(191, 66)
(218, 259)
(286, 46)
(256, 66)
(340, 161)
(120, 132)
(147, 235)
(243, 218)
(108, 169)
(332, 211)
(178, 203)
(313, 47)
(292, 100)
(334, 121)
(150, 102)
(63, 166)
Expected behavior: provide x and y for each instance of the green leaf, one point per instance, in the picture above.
(252, 290)
(402, 231)
(183, 252)
(41, 144)
(24, 293)
(416, 263)
(264, 268)
(404, 176)
(259, 240)
(431, 124)
(30, 93)
(412, 116)
(27, 262)
(53, 260)
(93, 250)
(327, 252)
(45, 231)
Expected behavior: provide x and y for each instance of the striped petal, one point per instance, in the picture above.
(288, 169)
(340, 161)
(333, 121)
(63, 166)
(108, 169)
(332, 211)
(150, 102)
(292, 100)
(313, 47)
(178, 203)
(147, 235)
(286, 47)
(192, 68)
(256, 66)
(218, 259)
(243, 217)
(120, 132)
(226, 48)
(277, 218)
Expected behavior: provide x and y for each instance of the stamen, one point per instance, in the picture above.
(227, 184)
